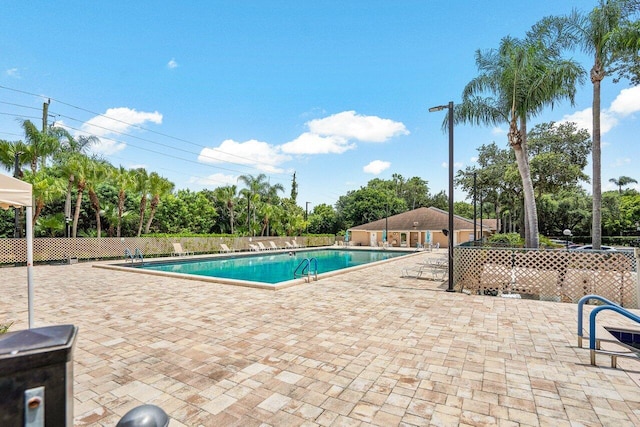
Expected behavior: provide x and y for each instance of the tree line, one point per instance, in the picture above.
(522, 77)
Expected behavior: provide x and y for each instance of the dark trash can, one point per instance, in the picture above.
(36, 376)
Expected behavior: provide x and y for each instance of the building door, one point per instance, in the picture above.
(373, 239)
(414, 239)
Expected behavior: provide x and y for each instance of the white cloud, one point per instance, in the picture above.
(260, 155)
(474, 159)
(312, 143)
(621, 162)
(13, 72)
(172, 64)
(114, 121)
(498, 131)
(627, 102)
(215, 180)
(583, 119)
(376, 167)
(350, 125)
(119, 120)
(108, 146)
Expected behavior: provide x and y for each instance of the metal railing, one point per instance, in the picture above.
(305, 268)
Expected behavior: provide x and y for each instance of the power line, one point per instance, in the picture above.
(124, 122)
(143, 139)
(250, 167)
(160, 152)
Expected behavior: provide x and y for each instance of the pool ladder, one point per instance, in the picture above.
(305, 269)
(594, 343)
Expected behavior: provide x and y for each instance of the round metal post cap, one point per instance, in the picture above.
(144, 416)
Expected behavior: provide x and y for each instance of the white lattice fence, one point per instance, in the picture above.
(547, 274)
(14, 251)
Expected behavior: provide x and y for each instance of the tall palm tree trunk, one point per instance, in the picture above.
(76, 214)
(154, 205)
(95, 203)
(121, 196)
(230, 207)
(143, 206)
(518, 143)
(597, 74)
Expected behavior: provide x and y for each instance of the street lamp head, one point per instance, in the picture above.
(566, 232)
(438, 108)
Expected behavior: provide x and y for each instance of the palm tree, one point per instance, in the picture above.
(124, 181)
(97, 174)
(9, 152)
(227, 196)
(70, 146)
(623, 181)
(80, 165)
(46, 189)
(598, 34)
(142, 188)
(158, 187)
(113, 216)
(516, 82)
(256, 187)
(39, 144)
(54, 224)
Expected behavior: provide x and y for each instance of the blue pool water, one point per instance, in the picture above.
(271, 267)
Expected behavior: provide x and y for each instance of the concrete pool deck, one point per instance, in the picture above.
(363, 348)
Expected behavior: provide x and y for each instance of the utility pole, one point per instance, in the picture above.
(45, 114)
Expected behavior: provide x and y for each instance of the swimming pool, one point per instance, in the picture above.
(266, 269)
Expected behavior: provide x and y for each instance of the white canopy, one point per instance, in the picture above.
(16, 193)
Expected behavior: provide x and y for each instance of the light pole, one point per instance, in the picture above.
(567, 234)
(386, 227)
(306, 216)
(451, 230)
(475, 219)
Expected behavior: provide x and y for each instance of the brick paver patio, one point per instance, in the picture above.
(363, 348)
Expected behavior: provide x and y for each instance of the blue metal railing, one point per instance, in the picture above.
(305, 268)
(594, 343)
(581, 304)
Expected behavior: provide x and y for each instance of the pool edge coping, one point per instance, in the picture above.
(248, 283)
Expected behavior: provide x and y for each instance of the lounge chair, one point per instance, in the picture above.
(178, 251)
(273, 245)
(288, 245)
(128, 256)
(261, 246)
(224, 248)
(415, 271)
(254, 248)
(296, 245)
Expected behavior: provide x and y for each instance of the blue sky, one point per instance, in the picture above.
(337, 91)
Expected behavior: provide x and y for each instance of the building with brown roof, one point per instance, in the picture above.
(422, 226)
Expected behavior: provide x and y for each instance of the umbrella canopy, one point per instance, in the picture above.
(16, 193)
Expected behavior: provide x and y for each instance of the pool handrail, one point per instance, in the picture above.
(581, 304)
(592, 328)
(306, 268)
